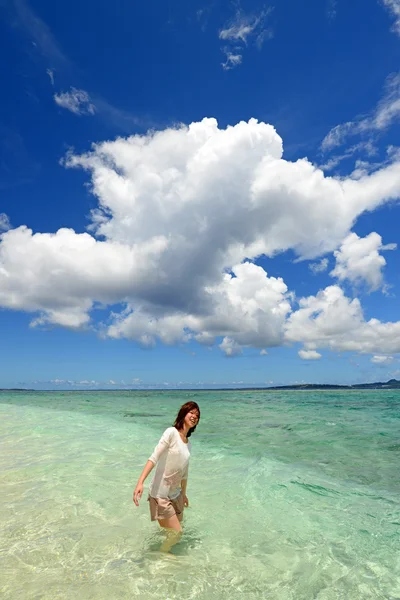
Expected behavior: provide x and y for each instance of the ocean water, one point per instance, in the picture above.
(293, 495)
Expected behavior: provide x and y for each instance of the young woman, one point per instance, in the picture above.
(167, 493)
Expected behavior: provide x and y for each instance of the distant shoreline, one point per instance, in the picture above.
(392, 384)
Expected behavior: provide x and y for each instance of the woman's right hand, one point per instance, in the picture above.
(137, 494)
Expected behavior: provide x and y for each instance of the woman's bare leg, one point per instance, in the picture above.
(173, 530)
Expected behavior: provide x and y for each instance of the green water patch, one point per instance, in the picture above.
(317, 429)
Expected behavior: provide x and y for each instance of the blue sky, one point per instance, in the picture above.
(199, 194)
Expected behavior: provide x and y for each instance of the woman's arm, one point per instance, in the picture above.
(161, 447)
(184, 484)
(183, 487)
(137, 494)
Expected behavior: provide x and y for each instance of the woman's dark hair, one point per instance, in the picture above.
(183, 411)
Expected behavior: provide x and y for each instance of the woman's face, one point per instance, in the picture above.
(192, 418)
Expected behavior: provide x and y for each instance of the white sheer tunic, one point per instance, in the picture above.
(171, 455)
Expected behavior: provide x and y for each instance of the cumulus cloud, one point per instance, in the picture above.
(386, 112)
(319, 267)
(62, 274)
(247, 308)
(4, 222)
(393, 7)
(331, 320)
(358, 260)
(182, 215)
(309, 355)
(76, 101)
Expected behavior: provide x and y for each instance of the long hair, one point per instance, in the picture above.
(183, 411)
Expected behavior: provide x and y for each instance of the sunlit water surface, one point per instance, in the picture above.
(294, 495)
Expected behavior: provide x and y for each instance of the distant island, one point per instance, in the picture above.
(392, 384)
(17, 390)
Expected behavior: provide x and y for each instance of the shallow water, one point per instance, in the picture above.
(294, 495)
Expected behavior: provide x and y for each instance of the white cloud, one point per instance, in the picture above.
(386, 112)
(334, 161)
(76, 101)
(393, 152)
(358, 260)
(263, 352)
(4, 222)
(365, 167)
(230, 348)
(69, 382)
(91, 383)
(365, 147)
(50, 73)
(394, 7)
(309, 355)
(331, 320)
(239, 31)
(242, 27)
(382, 360)
(319, 267)
(232, 60)
(362, 168)
(246, 305)
(44, 41)
(181, 214)
(81, 268)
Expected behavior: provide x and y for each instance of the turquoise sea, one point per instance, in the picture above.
(294, 495)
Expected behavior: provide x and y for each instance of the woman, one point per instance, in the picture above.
(167, 493)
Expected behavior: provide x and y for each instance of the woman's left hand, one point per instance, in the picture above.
(185, 500)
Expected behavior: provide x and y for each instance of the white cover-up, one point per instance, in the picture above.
(171, 455)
